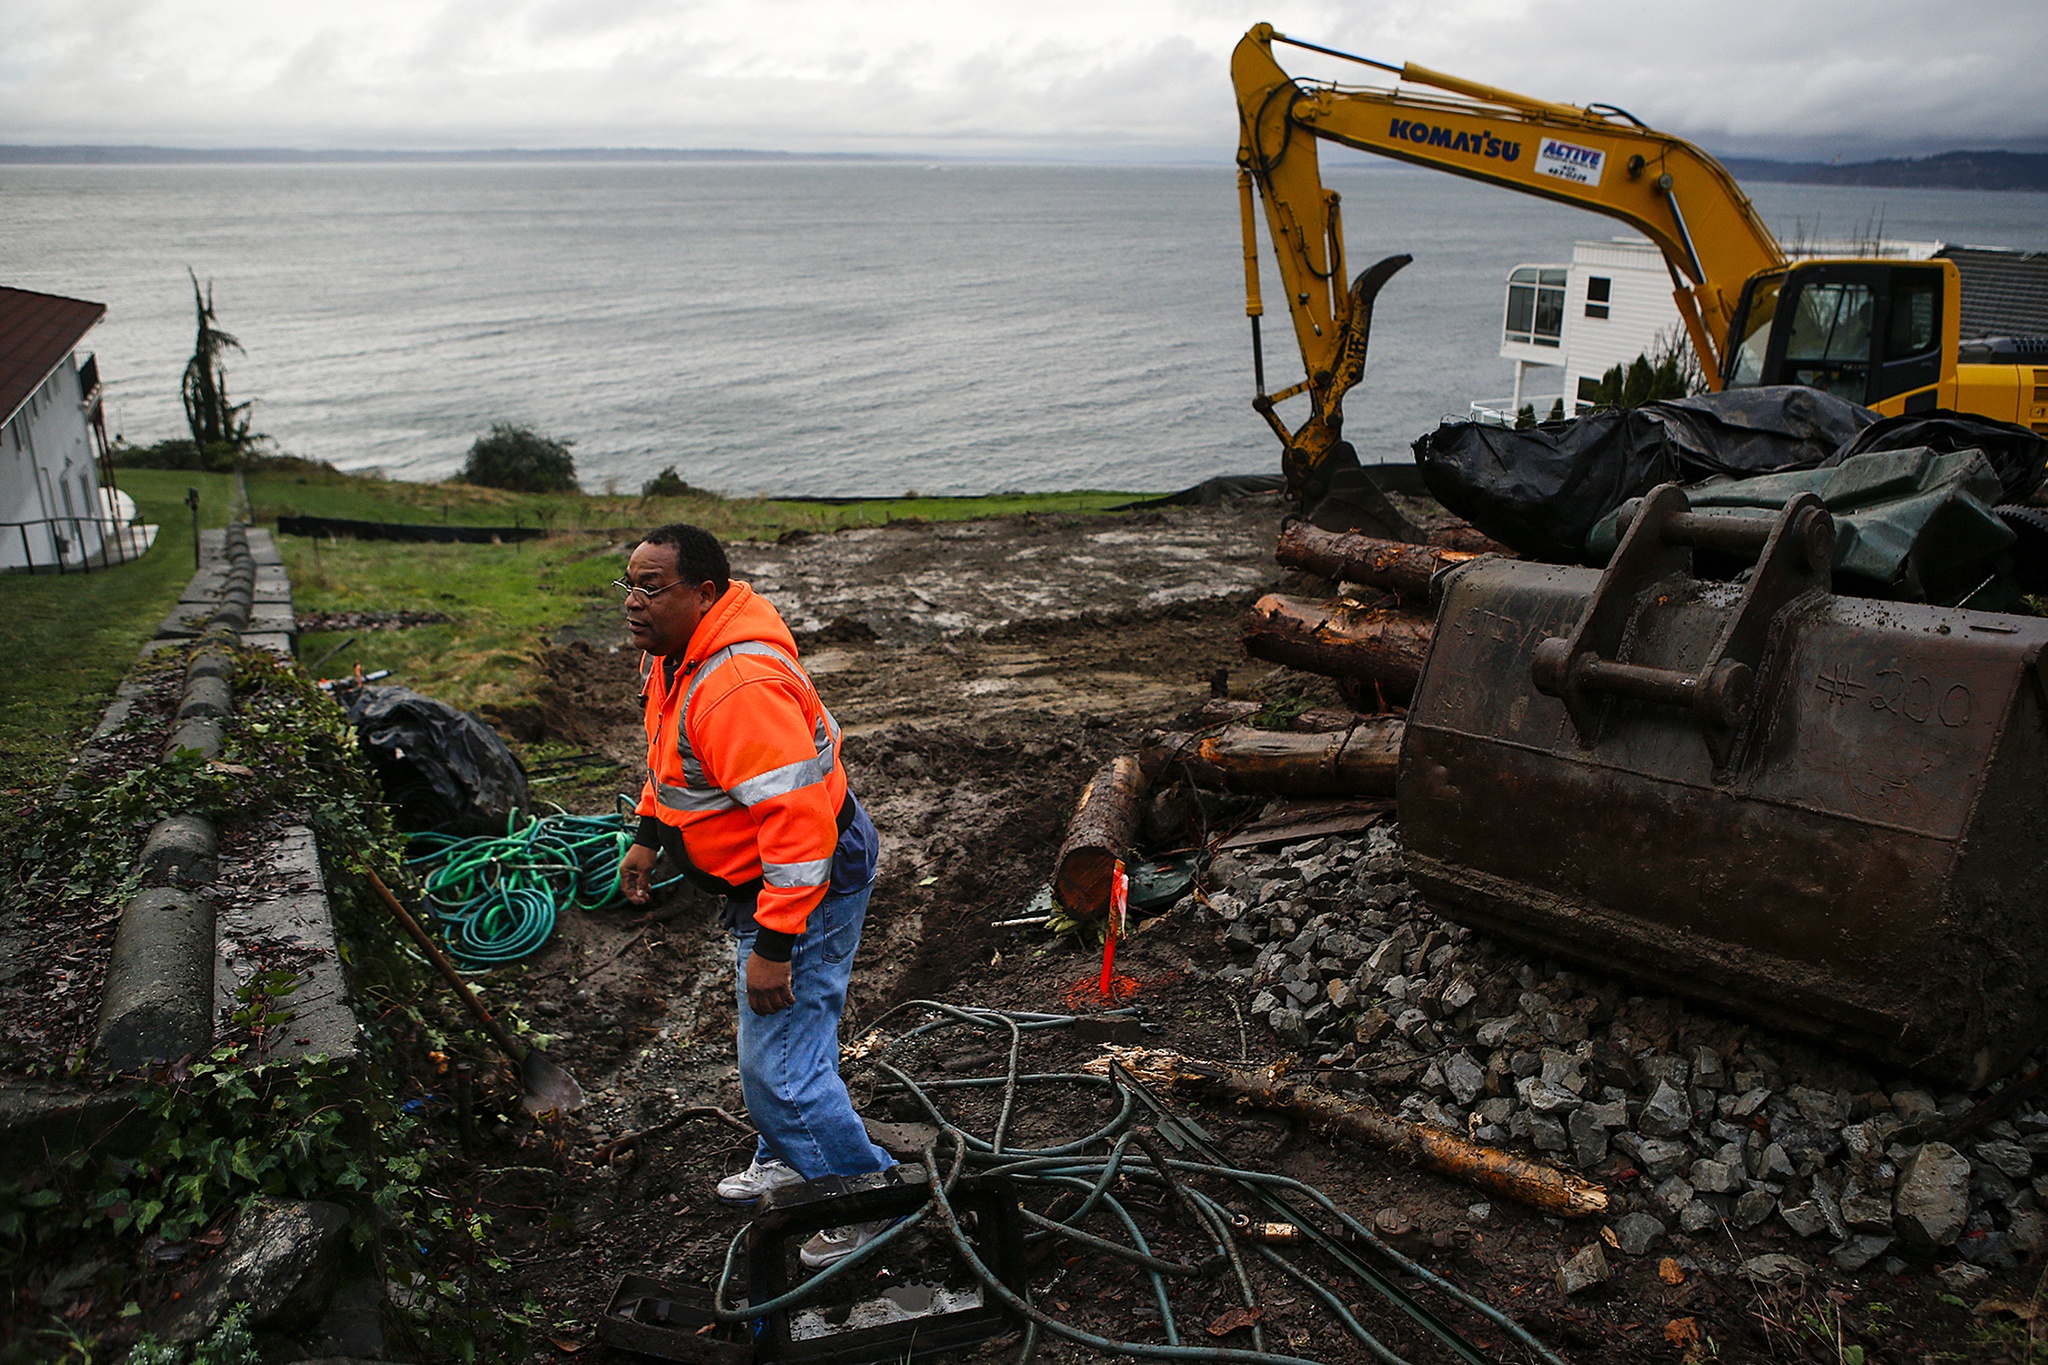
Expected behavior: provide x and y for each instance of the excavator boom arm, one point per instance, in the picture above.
(1594, 158)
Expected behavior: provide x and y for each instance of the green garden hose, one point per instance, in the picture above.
(496, 896)
(1176, 1165)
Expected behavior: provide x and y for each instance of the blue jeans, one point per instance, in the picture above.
(789, 1060)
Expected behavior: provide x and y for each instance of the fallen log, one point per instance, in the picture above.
(1354, 558)
(1104, 826)
(1384, 648)
(1360, 761)
(1338, 1117)
(1463, 535)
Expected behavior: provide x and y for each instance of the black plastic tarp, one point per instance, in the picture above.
(1209, 492)
(424, 532)
(442, 769)
(2018, 454)
(1541, 490)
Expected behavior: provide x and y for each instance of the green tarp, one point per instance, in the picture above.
(1911, 525)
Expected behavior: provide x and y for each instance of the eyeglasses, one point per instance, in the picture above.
(633, 590)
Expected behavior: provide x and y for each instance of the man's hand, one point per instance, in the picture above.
(768, 985)
(636, 872)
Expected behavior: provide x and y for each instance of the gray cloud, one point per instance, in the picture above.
(1147, 77)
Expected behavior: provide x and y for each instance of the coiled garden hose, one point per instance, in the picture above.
(496, 896)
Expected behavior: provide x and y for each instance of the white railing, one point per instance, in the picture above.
(1500, 412)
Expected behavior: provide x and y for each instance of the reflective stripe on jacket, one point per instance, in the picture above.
(743, 759)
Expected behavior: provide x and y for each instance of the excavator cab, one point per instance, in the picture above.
(1867, 331)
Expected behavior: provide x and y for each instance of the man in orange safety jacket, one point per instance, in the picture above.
(747, 796)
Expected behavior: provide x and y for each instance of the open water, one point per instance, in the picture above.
(802, 328)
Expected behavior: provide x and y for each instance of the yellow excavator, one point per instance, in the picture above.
(1883, 333)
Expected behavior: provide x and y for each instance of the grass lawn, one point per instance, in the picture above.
(81, 632)
(505, 598)
(71, 638)
(332, 494)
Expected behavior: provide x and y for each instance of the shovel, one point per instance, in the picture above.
(547, 1086)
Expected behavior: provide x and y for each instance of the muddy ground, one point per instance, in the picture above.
(982, 672)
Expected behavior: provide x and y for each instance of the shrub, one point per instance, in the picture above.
(218, 457)
(669, 484)
(1642, 381)
(522, 460)
(1668, 370)
(181, 453)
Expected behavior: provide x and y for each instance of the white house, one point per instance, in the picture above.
(1566, 325)
(59, 509)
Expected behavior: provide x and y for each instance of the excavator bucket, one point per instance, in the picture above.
(1828, 814)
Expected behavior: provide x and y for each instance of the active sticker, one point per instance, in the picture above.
(1569, 161)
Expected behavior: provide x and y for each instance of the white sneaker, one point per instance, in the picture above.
(755, 1181)
(836, 1244)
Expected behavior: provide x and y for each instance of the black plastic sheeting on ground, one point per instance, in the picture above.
(1209, 492)
(405, 530)
(442, 769)
(1542, 490)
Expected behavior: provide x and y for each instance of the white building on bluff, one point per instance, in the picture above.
(1565, 326)
(59, 509)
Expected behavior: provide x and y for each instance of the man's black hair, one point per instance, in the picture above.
(699, 556)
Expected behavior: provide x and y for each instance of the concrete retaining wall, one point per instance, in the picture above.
(177, 962)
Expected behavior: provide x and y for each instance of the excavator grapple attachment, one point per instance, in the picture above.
(1829, 814)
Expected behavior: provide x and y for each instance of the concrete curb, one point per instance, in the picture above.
(211, 661)
(203, 734)
(177, 959)
(298, 917)
(42, 1122)
(182, 850)
(206, 697)
(158, 1002)
(249, 594)
(177, 963)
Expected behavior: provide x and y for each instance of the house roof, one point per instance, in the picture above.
(2005, 293)
(36, 332)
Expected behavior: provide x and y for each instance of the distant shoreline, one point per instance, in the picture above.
(137, 155)
(1946, 171)
(2027, 171)
(1986, 170)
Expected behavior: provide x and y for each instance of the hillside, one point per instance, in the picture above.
(1945, 171)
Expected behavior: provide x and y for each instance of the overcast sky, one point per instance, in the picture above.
(1117, 79)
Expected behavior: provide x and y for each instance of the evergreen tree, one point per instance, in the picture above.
(1669, 370)
(213, 419)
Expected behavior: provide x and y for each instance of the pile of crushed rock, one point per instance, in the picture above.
(1689, 1118)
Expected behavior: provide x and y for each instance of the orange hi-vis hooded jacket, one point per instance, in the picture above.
(743, 760)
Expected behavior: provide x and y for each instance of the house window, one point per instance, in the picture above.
(1536, 306)
(1598, 289)
(1589, 388)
